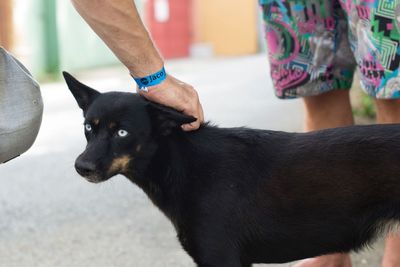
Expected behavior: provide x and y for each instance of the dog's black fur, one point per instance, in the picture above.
(238, 196)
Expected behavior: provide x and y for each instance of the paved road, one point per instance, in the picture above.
(49, 216)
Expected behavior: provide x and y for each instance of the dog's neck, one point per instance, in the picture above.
(165, 177)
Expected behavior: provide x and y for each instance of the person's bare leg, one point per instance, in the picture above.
(391, 256)
(328, 110)
(388, 111)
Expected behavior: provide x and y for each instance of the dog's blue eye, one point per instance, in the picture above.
(122, 133)
(88, 127)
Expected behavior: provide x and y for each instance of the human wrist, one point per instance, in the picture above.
(153, 80)
(142, 66)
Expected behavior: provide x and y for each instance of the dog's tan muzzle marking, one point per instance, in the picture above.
(119, 164)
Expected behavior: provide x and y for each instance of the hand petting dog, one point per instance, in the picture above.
(178, 95)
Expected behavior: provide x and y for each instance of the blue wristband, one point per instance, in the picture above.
(151, 80)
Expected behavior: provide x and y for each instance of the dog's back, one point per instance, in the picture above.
(291, 196)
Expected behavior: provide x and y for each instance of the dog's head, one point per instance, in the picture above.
(122, 130)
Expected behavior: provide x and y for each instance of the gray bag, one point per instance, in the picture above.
(21, 107)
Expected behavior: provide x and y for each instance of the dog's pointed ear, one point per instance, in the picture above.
(83, 94)
(166, 119)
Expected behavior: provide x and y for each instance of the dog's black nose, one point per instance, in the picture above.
(85, 168)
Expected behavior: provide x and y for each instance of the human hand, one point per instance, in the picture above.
(178, 95)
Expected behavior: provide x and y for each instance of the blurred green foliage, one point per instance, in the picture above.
(365, 108)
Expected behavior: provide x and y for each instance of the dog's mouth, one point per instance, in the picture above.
(90, 172)
(94, 173)
(95, 179)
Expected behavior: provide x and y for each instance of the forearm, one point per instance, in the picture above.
(119, 25)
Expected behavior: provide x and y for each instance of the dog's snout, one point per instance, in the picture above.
(85, 168)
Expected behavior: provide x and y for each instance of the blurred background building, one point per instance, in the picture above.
(49, 35)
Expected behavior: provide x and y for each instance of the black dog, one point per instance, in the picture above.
(239, 196)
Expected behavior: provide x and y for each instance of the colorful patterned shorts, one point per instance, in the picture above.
(315, 45)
